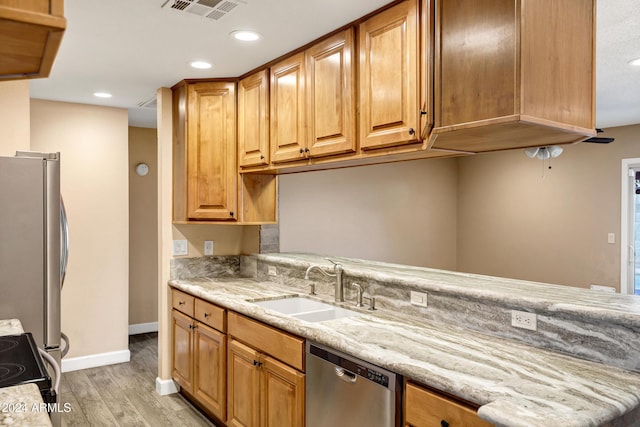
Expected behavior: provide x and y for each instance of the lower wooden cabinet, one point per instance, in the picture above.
(199, 354)
(263, 390)
(426, 408)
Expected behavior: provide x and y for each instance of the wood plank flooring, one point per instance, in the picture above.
(124, 394)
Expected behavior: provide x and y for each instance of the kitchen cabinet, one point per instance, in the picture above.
(313, 101)
(265, 375)
(199, 351)
(30, 35)
(513, 74)
(426, 408)
(389, 83)
(253, 119)
(205, 172)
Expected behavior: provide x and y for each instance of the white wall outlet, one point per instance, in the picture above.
(208, 247)
(180, 247)
(524, 320)
(419, 298)
(602, 288)
(272, 270)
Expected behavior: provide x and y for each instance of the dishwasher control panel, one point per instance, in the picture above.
(352, 366)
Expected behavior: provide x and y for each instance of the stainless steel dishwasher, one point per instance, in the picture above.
(342, 390)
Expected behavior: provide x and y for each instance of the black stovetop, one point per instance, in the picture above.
(20, 362)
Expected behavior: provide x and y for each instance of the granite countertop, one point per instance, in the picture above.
(514, 384)
(20, 405)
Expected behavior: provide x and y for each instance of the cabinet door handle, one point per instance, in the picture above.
(261, 157)
(206, 315)
(257, 363)
(230, 213)
(306, 150)
(180, 302)
(191, 327)
(411, 131)
(301, 151)
(443, 423)
(423, 113)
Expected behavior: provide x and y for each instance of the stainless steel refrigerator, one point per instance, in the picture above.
(32, 245)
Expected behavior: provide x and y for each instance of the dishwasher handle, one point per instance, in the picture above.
(346, 376)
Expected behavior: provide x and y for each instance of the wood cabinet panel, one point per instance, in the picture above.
(283, 394)
(287, 120)
(281, 345)
(425, 408)
(182, 329)
(210, 314)
(182, 302)
(331, 96)
(253, 119)
(243, 386)
(210, 369)
(388, 85)
(211, 151)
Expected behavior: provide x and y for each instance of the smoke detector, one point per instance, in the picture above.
(212, 9)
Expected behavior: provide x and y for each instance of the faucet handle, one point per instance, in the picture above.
(372, 302)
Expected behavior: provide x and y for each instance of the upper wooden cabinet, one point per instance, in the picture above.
(389, 84)
(287, 121)
(513, 74)
(313, 101)
(30, 35)
(205, 171)
(253, 119)
(330, 84)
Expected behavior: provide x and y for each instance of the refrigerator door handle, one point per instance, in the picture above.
(64, 242)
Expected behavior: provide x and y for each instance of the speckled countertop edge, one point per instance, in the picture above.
(516, 385)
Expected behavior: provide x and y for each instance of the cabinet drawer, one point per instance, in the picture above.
(210, 314)
(427, 408)
(281, 345)
(182, 302)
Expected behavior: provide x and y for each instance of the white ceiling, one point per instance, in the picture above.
(131, 48)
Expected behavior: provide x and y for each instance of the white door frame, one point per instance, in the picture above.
(627, 211)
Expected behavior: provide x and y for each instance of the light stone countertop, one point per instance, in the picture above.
(514, 384)
(20, 405)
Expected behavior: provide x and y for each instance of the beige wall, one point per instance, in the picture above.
(143, 227)
(93, 144)
(398, 212)
(518, 219)
(14, 117)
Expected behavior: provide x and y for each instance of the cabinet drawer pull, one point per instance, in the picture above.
(180, 302)
(443, 423)
(191, 327)
(206, 315)
(256, 363)
(411, 131)
(261, 157)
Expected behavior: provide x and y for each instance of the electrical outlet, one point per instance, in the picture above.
(524, 320)
(272, 270)
(180, 247)
(208, 247)
(419, 298)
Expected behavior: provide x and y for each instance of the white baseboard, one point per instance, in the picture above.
(95, 360)
(143, 328)
(164, 387)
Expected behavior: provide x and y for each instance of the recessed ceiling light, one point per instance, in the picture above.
(245, 36)
(635, 62)
(102, 94)
(200, 65)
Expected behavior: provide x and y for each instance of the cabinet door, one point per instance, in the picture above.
(287, 121)
(182, 350)
(211, 151)
(253, 120)
(424, 408)
(282, 394)
(209, 379)
(243, 386)
(388, 85)
(331, 95)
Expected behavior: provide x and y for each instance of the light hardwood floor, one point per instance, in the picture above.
(124, 394)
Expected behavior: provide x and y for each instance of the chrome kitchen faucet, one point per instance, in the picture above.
(337, 273)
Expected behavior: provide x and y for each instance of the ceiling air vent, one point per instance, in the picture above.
(149, 103)
(212, 9)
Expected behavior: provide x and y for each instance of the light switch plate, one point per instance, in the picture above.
(208, 247)
(419, 298)
(180, 247)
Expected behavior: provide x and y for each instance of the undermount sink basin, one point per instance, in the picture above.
(306, 309)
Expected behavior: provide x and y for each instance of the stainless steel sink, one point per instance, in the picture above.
(306, 309)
